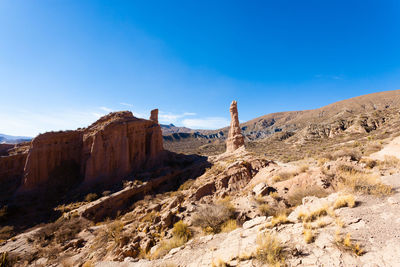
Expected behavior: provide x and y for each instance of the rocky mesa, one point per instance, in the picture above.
(113, 147)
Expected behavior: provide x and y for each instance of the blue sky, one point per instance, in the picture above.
(64, 63)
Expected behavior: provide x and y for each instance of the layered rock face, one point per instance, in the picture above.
(113, 147)
(120, 144)
(235, 137)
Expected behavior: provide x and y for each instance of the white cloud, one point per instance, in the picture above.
(106, 109)
(206, 123)
(167, 118)
(126, 104)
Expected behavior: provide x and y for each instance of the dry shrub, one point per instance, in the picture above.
(278, 220)
(373, 147)
(211, 217)
(186, 185)
(182, 230)
(88, 264)
(229, 226)
(219, 263)
(270, 250)
(345, 201)
(181, 234)
(108, 238)
(354, 154)
(295, 198)
(283, 176)
(322, 161)
(303, 168)
(390, 162)
(61, 231)
(346, 243)
(6, 232)
(346, 168)
(364, 183)
(166, 245)
(91, 197)
(369, 163)
(266, 210)
(3, 212)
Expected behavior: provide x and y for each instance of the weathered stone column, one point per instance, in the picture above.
(235, 137)
(154, 115)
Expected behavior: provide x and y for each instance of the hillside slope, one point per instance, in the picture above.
(359, 115)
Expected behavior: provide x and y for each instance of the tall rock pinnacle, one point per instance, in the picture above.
(235, 137)
(154, 115)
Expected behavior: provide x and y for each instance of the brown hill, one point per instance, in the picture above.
(361, 115)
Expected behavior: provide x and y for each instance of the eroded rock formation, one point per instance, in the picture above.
(235, 137)
(113, 147)
(154, 115)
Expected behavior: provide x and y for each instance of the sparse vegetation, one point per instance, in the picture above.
(181, 234)
(270, 250)
(313, 215)
(347, 243)
(6, 232)
(344, 201)
(186, 185)
(296, 197)
(60, 231)
(354, 154)
(91, 197)
(278, 220)
(229, 226)
(181, 230)
(308, 236)
(266, 210)
(283, 176)
(363, 182)
(6, 260)
(211, 217)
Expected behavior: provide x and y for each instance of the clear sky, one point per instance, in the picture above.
(64, 63)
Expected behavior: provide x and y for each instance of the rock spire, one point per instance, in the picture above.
(235, 137)
(154, 115)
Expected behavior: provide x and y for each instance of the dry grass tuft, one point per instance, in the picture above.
(308, 236)
(270, 250)
(283, 176)
(313, 215)
(344, 201)
(347, 243)
(229, 226)
(278, 220)
(354, 154)
(296, 197)
(181, 234)
(91, 197)
(218, 263)
(303, 168)
(182, 230)
(363, 183)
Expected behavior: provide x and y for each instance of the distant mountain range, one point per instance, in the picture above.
(9, 139)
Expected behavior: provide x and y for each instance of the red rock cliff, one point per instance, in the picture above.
(112, 148)
(119, 144)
